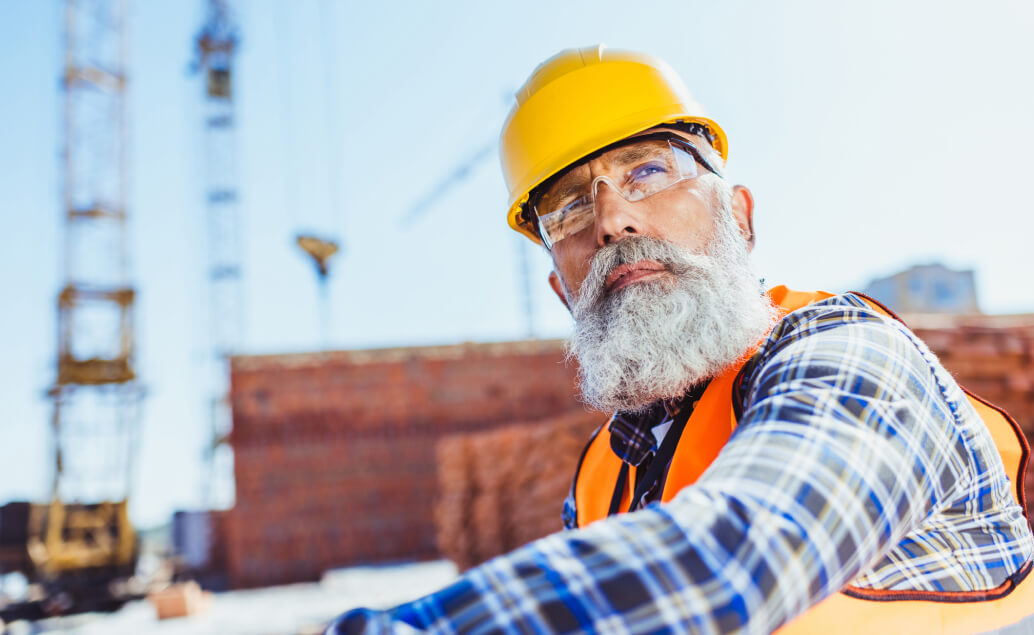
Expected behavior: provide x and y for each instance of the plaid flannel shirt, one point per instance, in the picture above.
(857, 459)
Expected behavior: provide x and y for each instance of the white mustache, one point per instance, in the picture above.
(631, 250)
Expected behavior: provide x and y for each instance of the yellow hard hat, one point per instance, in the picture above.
(581, 100)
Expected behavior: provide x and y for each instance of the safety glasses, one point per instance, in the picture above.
(637, 168)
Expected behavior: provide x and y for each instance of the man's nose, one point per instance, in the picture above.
(616, 218)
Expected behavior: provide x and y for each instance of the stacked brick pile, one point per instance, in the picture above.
(504, 488)
(335, 452)
(991, 355)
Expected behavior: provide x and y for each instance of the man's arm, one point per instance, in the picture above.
(846, 443)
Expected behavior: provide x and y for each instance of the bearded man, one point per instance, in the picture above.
(783, 461)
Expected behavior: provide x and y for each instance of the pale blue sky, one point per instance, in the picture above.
(874, 135)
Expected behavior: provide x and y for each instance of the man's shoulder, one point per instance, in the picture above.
(850, 311)
(844, 332)
(844, 340)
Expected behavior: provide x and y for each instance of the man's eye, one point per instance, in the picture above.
(647, 172)
(575, 204)
(570, 218)
(575, 220)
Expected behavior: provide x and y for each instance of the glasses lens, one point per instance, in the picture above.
(637, 170)
(568, 220)
(642, 169)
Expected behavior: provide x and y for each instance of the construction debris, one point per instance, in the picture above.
(180, 600)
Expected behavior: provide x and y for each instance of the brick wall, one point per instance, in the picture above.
(335, 453)
(349, 457)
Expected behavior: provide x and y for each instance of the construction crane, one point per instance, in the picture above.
(78, 546)
(216, 47)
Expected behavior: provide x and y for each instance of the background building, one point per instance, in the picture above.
(931, 288)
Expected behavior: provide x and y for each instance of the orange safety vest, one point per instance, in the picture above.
(853, 609)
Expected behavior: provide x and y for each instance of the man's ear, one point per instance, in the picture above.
(558, 288)
(743, 212)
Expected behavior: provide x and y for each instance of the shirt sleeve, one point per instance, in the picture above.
(846, 442)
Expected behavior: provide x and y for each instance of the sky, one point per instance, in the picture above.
(873, 135)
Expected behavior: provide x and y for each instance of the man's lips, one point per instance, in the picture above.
(623, 275)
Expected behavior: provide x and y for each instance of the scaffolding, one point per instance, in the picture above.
(86, 527)
(216, 45)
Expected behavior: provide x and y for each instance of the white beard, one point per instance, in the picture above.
(657, 339)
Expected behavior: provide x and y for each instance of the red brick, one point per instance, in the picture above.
(335, 453)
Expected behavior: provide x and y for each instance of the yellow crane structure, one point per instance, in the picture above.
(81, 543)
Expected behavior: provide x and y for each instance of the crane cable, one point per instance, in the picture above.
(331, 105)
(290, 176)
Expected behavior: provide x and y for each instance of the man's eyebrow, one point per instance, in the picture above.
(632, 152)
(566, 185)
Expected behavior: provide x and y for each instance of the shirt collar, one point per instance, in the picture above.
(631, 433)
(631, 438)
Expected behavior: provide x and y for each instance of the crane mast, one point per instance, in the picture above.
(216, 46)
(84, 532)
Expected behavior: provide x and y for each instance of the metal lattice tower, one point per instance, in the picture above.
(216, 45)
(95, 396)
